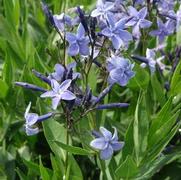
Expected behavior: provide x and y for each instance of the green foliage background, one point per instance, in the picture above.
(27, 42)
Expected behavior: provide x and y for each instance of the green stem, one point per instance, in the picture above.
(103, 168)
(67, 139)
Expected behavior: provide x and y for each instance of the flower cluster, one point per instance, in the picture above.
(104, 38)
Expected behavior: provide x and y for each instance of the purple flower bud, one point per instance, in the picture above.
(96, 134)
(48, 13)
(41, 76)
(45, 116)
(93, 23)
(112, 105)
(103, 94)
(30, 86)
(82, 18)
(97, 63)
(140, 58)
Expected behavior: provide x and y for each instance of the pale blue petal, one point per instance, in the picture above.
(27, 110)
(80, 31)
(106, 32)
(142, 13)
(125, 35)
(55, 85)
(117, 145)
(96, 13)
(84, 48)
(31, 118)
(31, 131)
(71, 65)
(131, 22)
(67, 95)
(107, 134)
(65, 85)
(154, 33)
(71, 38)
(145, 23)
(106, 153)
(115, 135)
(59, 69)
(55, 102)
(116, 41)
(121, 24)
(132, 11)
(48, 94)
(73, 49)
(136, 31)
(99, 143)
(111, 21)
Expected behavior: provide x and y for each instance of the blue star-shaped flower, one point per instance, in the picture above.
(163, 30)
(116, 32)
(32, 119)
(106, 143)
(137, 20)
(102, 8)
(78, 43)
(120, 70)
(58, 92)
(61, 71)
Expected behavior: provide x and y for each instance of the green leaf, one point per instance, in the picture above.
(140, 128)
(178, 35)
(32, 166)
(163, 130)
(161, 118)
(158, 89)
(55, 131)
(151, 168)
(45, 173)
(175, 87)
(127, 169)
(74, 171)
(140, 80)
(129, 142)
(3, 89)
(72, 149)
(156, 150)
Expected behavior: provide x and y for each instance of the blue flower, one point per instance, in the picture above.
(62, 72)
(58, 92)
(163, 30)
(102, 9)
(78, 43)
(116, 32)
(138, 20)
(120, 70)
(152, 60)
(62, 20)
(165, 5)
(106, 143)
(32, 119)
